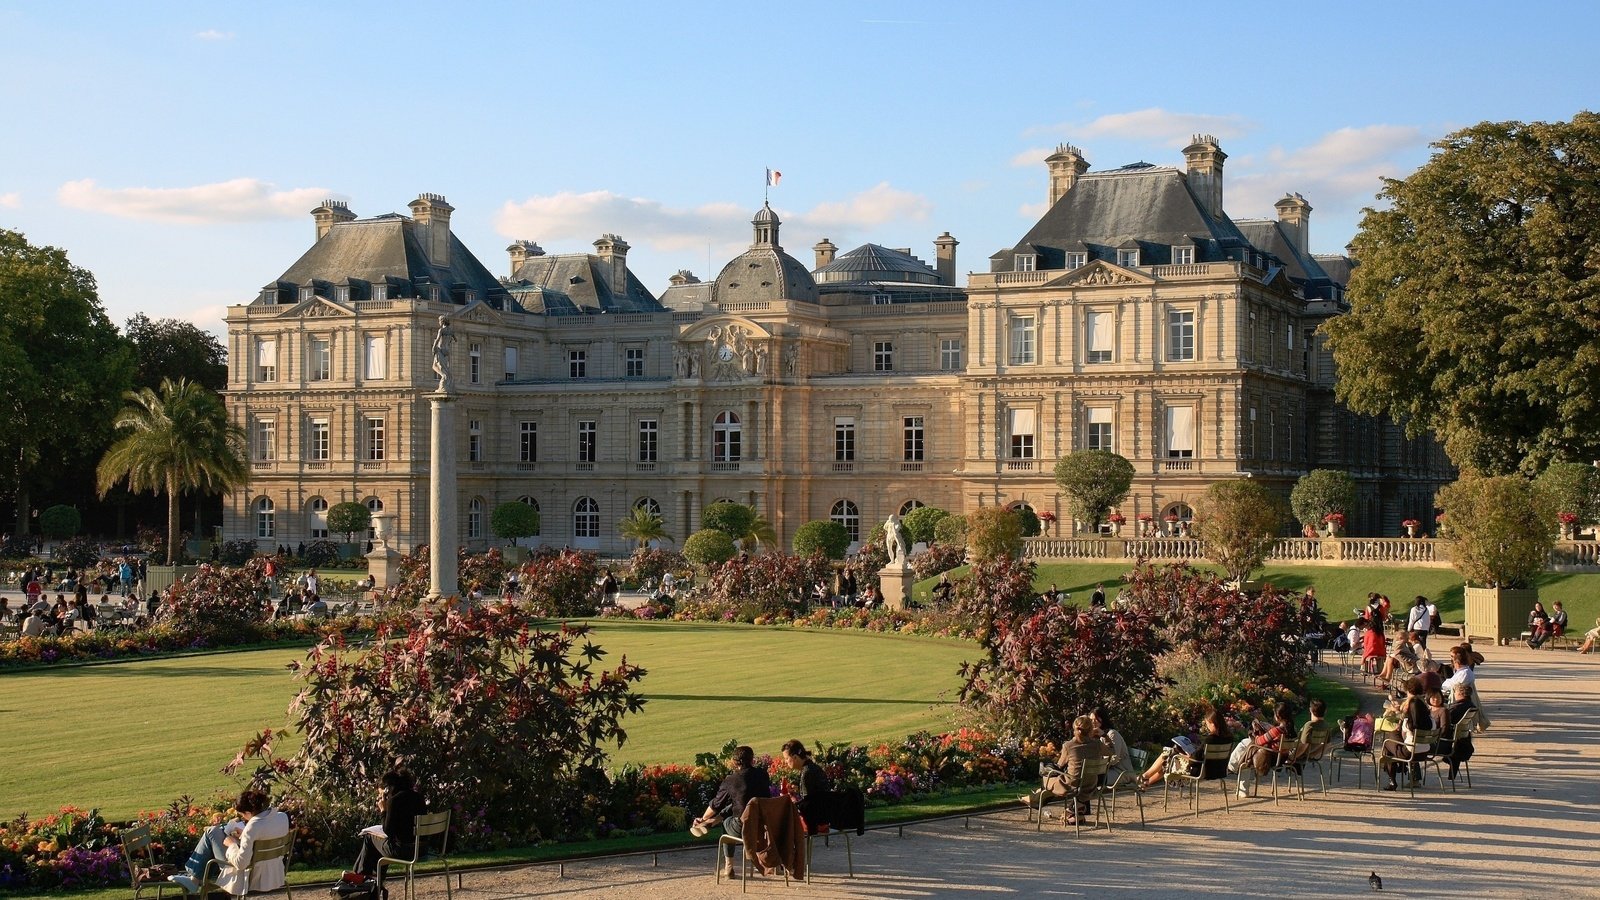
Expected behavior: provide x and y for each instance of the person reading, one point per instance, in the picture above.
(399, 804)
(232, 843)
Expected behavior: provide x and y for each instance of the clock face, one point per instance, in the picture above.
(725, 353)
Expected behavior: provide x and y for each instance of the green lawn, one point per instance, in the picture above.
(135, 735)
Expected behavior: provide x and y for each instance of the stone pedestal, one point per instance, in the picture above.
(442, 532)
(383, 564)
(895, 582)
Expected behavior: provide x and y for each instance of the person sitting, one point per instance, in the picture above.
(1538, 625)
(232, 843)
(1554, 628)
(1052, 596)
(1265, 748)
(1457, 752)
(1121, 762)
(1590, 636)
(1188, 756)
(870, 598)
(1087, 743)
(812, 797)
(1405, 750)
(399, 804)
(316, 607)
(745, 782)
(5, 609)
(34, 625)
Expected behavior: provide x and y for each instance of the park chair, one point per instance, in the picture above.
(1461, 733)
(1418, 761)
(1362, 757)
(427, 825)
(726, 843)
(847, 813)
(1216, 758)
(1289, 766)
(263, 851)
(135, 840)
(1126, 782)
(1315, 755)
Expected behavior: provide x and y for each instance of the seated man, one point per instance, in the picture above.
(231, 845)
(1086, 743)
(744, 782)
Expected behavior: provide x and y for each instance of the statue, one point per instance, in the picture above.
(441, 354)
(680, 361)
(894, 539)
(791, 359)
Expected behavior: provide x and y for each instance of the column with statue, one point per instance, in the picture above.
(895, 578)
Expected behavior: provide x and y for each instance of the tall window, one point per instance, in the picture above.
(911, 428)
(317, 433)
(1180, 334)
(475, 518)
(1182, 256)
(649, 434)
(588, 437)
(474, 363)
(511, 363)
(374, 506)
(633, 362)
(845, 513)
(375, 362)
(1250, 433)
(266, 359)
(910, 505)
(1022, 350)
(266, 440)
(586, 518)
(1097, 337)
(317, 518)
(1099, 433)
(375, 437)
(474, 441)
(1022, 425)
(265, 525)
(648, 505)
(726, 436)
(844, 438)
(529, 449)
(950, 354)
(577, 363)
(883, 356)
(319, 359)
(1180, 432)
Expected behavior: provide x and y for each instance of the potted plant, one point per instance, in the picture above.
(1335, 523)
(1500, 540)
(1117, 520)
(1410, 525)
(1048, 519)
(1569, 523)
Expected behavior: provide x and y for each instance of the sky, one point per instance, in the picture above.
(176, 149)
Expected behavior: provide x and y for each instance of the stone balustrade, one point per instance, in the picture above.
(1567, 556)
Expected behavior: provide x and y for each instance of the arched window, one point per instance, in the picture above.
(845, 513)
(374, 506)
(475, 518)
(726, 435)
(265, 527)
(1177, 519)
(648, 504)
(586, 518)
(533, 503)
(317, 518)
(909, 505)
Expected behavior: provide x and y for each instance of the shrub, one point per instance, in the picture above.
(994, 532)
(822, 536)
(952, 530)
(320, 553)
(514, 521)
(997, 590)
(919, 524)
(78, 552)
(349, 517)
(937, 558)
(59, 522)
(769, 584)
(648, 564)
(1027, 520)
(1320, 493)
(1094, 481)
(709, 547)
(1239, 521)
(732, 519)
(221, 601)
(1572, 489)
(485, 572)
(1499, 528)
(237, 553)
(561, 583)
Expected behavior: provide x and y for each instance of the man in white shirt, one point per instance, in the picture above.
(1418, 619)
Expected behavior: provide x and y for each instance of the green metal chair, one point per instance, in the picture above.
(136, 840)
(427, 825)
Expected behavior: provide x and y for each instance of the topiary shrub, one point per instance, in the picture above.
(1501, 530)
(514, 521)
(732, 519)
(349, 517)
(60, 522)
(1239, 521)
(79, 552)
(919, 524)
(1320, 493)
(1028, 520)
(951, 529)
(994, 532)
(709, 547)
(822, 536)
(237, 553)
(320, 554)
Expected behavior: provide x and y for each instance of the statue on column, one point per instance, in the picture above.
(441, 354)
(894, 539)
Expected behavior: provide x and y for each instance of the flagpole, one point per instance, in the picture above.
(766, 190)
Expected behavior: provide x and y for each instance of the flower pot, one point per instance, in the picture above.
(1411, 531)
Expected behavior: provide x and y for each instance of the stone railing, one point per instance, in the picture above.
(1319, 551)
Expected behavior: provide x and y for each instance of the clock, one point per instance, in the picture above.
(725, 353)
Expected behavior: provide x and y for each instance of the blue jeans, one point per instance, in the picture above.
(209, 847)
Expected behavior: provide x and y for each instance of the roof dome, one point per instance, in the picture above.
(764, 272)
(765, 216)
(872, 262)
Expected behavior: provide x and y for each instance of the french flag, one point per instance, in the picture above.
(773, 177)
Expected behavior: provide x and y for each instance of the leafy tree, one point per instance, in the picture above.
(1239, 521)
(994, 532)
(649, 564)
(349, 517)
(823, 536)
(63, 365)
(760, 534)
(60, 522)
(1094, 482)
(709, 547)
(1571, 489)
(771, 583)
(1027, 520)
(514, 521)
(180, 440)
(1320, 492)
(1472, 313)
(1499, 528)
(642, 526)
(951, 529)
(732, 519)
(919, 523)
(172, 348)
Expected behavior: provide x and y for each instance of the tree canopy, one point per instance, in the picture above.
(1320, 492)
(732, 519)
(1094, 482)
(822, 536)
(1475, 311)
(173, 348)
(349, 517)
(1239, 521)
(643, 525)
(514, 520)
(1500, 530)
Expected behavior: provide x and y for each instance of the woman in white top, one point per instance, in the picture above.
(1414, 719)
(1121, 764)
(232, 845)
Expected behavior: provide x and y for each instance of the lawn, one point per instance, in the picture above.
(135, 735)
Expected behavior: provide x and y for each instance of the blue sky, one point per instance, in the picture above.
(175, 149)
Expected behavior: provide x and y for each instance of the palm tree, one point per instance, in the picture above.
(761, 534)
(643, 525)
(177, 441)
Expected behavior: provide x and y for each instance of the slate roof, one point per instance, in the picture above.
(387, 249)
(1268, 236)
(873, 262)
(572, 282)
(1337, 266)
(763, 274)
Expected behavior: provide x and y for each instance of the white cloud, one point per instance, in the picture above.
(875, 206)
(239, 200)
(1033, 156)
(1033, 211)
(1153, 124)
(212, 34)
(12, 200)
(1339, 172)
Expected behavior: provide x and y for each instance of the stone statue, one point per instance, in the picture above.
(441, 354)
(680, 361)
(761, 360)
(894, 539)
(791, 359)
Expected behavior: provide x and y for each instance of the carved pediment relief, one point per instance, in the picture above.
(1100, 273)
(478, 311)
(724, 348)
(316, 308)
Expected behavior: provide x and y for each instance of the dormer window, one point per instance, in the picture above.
(1128, 258)
(1182, 256)
(1077, 259)
(342, 293)
(1027, 262)
(380, 292)
(306, 293)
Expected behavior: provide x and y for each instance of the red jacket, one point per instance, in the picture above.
(772, 831)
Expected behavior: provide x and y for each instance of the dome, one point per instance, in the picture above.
(871, 262)
(765, 216)
(763, 274)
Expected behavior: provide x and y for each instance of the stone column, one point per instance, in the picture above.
(442, 531)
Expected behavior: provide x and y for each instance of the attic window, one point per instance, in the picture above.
(380, 292)
(753, 266)
(1027, 262)
(1077, 259)
(342, 293)
(1128, 258)
(306, 293)
(1182, 256)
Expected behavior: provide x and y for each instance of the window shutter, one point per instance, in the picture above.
(1180, 428)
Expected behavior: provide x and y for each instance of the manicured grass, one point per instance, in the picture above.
(135, 735)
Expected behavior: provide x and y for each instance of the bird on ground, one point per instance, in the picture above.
(1375, 881)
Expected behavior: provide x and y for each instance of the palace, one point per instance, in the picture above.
(1135, 316)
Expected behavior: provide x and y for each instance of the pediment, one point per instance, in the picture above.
(480, 312)
(725, 326)
(1099, 273)
(317, 308)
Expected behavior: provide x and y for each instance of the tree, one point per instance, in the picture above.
(514, 521)
(760, 534)
(919, 523)
(732, 519)
(822, 536)
(177, 441)
(1472, 312)
(1572, 490)
(643, 525)
(349, 517)
(1094, 482)
(1321, 492)
(951, 529)
(60, 522)
(708, 548)
(1238, 522)
(172, 348)
(994, 532)
(63, 365)
(1499, 530)
(1027, 520)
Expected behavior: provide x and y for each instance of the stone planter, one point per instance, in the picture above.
(1411, 530)
(159, 578)
(1498, 614)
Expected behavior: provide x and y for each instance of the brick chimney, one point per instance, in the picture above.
(1204, 157)
(1066, 165)
(944, 252)
(329, 214)
(825, 251)
(520, 251)
(613, 253)
(431, 212)
(1294, 213)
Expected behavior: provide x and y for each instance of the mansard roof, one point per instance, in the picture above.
(873, 262)
(1268, 236)
(576, 283)
(387, 250)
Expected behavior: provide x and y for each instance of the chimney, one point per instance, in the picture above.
(520, 251)
(1065, 165)
(825, 250)
(944, 252)
(329, 214)
(432, 214)
(683, 277)
(613, 252)
(1295, 215)
(1204, 158)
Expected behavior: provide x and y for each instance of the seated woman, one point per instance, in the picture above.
(1121, 762)
(399, 804)
(813, 796)
(1538, 625)
(1190, 759)
(1590, 636)
(1266, 746)
(1404, 749)
(745, 782)
(232, 845)
(1460, 751)
(1086, 743)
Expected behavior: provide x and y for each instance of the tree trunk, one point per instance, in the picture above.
(22, 509)
(172, 519)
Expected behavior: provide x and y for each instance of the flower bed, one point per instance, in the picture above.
(169, 637)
